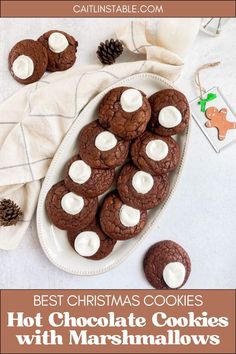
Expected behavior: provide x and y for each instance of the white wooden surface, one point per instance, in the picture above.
(201, 216)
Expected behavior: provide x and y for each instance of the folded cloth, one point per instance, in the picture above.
(35, 120)
(139, 40)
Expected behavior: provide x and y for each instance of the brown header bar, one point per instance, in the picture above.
(165, 8)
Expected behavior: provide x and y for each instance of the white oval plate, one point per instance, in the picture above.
(54, 241)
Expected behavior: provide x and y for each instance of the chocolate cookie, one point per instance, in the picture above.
(61, 49)
(167, 265)
(170, 112)
(89, 182)
(155, 154)
(27, 61)
(120, 221)
(125, 112)
(91, 243)
(69, 211)
(140, 189)
(100, 148)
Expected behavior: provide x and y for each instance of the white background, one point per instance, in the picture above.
(202, 214)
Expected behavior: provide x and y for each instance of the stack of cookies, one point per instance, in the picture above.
(131, 131)
(53, 51)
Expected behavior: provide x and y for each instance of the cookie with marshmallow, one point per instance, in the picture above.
(61, 48)
(86, 181)
(125, 111)
(170, 112)
(140, 189)
(27, 61)
(155, 154)
(167, 265)
(120, 221)
(69, 211)
(92, 242)
(100, 148)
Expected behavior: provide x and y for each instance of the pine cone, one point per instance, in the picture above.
(110, 50)
(10, 212)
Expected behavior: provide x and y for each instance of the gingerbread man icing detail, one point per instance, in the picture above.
(217, 119)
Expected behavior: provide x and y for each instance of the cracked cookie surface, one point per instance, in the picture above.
(96, 158)
(36, 52)
(159, 256)
(62, 219)
(99, 181)
(127, 125)
(165, 98)
(144, 162)
(110, 219)
(132, 197)
(63, 60)
(106, 243)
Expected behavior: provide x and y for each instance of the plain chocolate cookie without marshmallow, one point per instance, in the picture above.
(120, 221)
(155, 154)
(140, 189)
(100, 148)
(102, 244)
(167, 265)
(125, 124)
(170, 112)
(61, 49)
(27, 61)
(86, 181)
(84, 209)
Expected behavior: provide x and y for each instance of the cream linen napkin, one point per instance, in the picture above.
(35, 120)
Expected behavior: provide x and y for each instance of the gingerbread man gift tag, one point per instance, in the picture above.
(218, 122)
(218, 119)
(213, 114)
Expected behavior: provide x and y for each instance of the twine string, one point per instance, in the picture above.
(197, 76)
